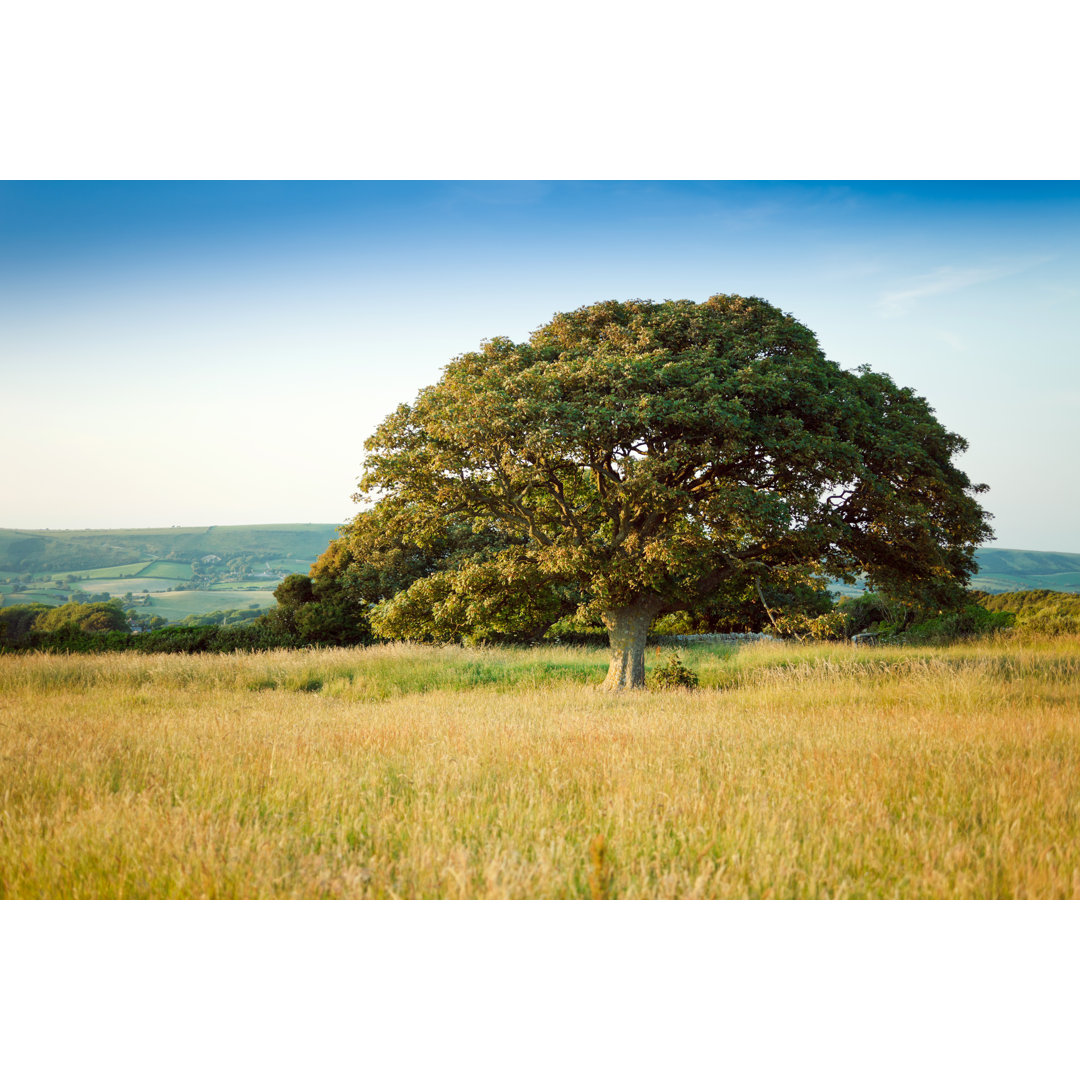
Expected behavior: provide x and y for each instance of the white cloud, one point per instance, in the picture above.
(947, 279)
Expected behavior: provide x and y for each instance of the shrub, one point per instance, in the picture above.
(1047, 623)
(1028, 602)
(96, 617)
(873, 612)
(828, 627)
(17, 623)
(970, 621)
(673, 674)
(171, 639)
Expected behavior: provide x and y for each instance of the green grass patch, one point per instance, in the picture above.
(178, 605)
(384, 672)
(124, 570)
(392, 671)
(134, 585)
(1066, 582)
(292, 566)
(35, 596)
(1016, 562)
(242, 586)
(174, 571)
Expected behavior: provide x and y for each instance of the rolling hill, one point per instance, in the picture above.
(1010, 569)
(1003, 570)
(54, 551)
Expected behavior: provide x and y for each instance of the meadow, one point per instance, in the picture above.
(799, 771)
(115, 572)
(175, 606)
(164, 569)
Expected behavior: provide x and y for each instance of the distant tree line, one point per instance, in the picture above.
(86, 628)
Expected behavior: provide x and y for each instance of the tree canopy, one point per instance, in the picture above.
(89, 618)
(633, 456)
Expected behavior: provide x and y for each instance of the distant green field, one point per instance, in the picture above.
(243, 586)
(175, 606)
(174, 571)
(995, 583)
(1013, 561)
(1011, 569)
(292, 566)
(134, 585)
(172, 606)
(127, 570)
(1069, 582)
(36, 596)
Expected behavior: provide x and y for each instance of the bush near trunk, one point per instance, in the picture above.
(673, 675)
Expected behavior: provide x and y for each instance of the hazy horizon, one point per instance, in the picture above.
(218, 352)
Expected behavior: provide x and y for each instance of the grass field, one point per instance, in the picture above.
(292, 566)
(169, 605)
(133, 585)
(175, 571)
(31, 596)
(178, 605)
(1068, 581)
(406, 771)
(127, 570)
(243, 586)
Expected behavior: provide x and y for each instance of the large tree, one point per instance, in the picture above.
(640, 454)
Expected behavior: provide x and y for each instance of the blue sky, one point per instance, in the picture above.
(215, 353)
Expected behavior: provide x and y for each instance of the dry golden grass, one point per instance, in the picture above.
(402, 771)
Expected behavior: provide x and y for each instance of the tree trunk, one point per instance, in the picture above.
(627, 628)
